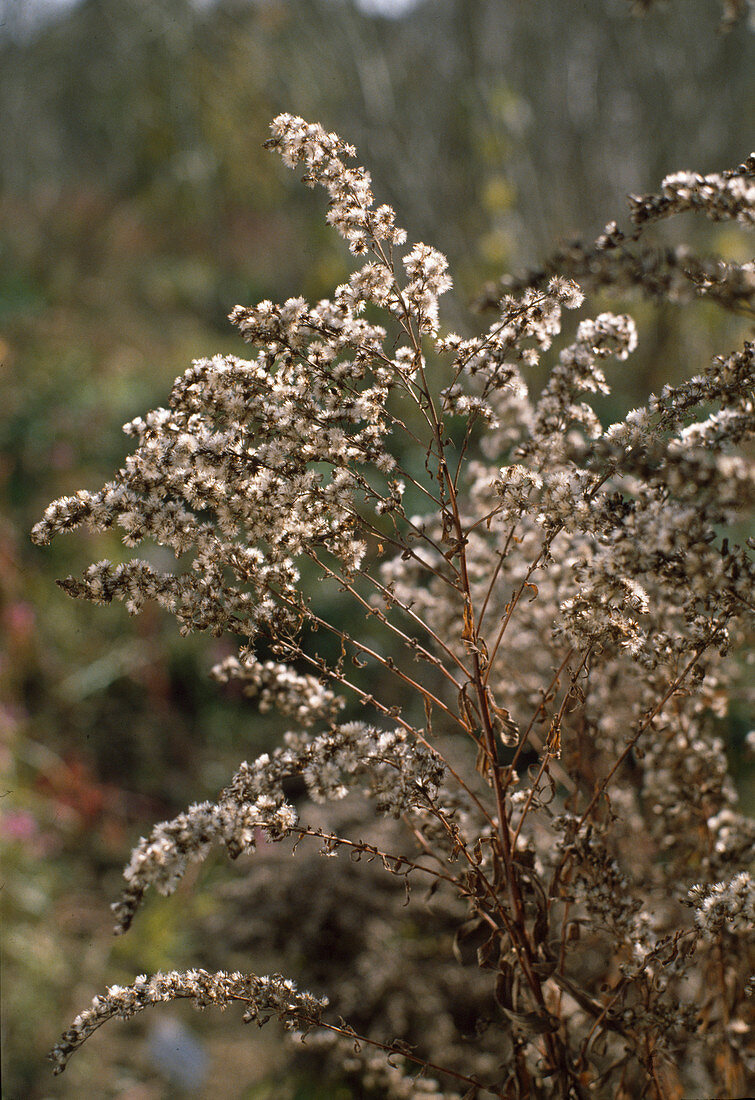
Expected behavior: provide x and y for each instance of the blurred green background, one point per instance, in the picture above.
(136, 208)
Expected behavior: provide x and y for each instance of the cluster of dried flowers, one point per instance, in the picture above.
(565, 602)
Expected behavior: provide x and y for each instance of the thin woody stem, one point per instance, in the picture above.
(376, 613)
(673, 686)
(518, 926)
(387, 663)
(391, 598)
(400, 862)
(547, 755)
(498, 566)
(369, 700)
(402, 1051)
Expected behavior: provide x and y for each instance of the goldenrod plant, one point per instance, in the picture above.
(521, 704)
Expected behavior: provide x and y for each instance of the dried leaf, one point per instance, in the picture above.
(533, 1023)
(488, 952)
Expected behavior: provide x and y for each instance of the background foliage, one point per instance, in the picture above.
(136, 208)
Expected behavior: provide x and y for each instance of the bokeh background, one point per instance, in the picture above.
(137, 206)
